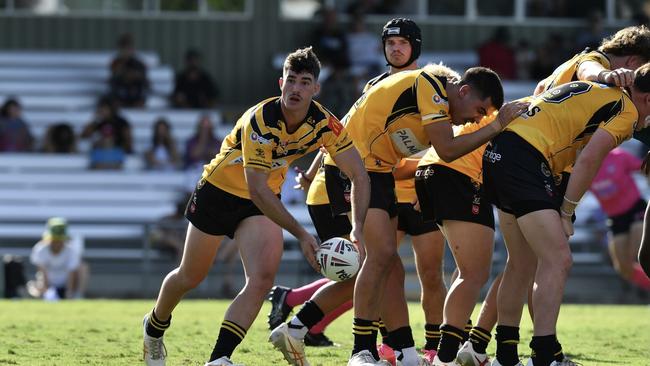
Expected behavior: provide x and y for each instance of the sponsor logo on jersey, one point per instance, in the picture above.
(334, 125)
(491, 156)
(545, 170)
(257, 138)
(406, 142)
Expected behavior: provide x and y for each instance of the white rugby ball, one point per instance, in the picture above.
(338, 259)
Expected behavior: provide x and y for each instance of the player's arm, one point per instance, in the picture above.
(272, 207)
(450, 147)
(541, 86)
(594, 71)
(351, 164)
(584, 171)
(644, 250)
(405, 169)
(305, 178)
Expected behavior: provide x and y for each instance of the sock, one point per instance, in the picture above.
(480, 339)
(507, 341)
(542, 349)
(307, 317)
(230, 335)
(383, 330)
(330, 317)
(468, 328)
(557, 351)
(365, 336)
(449, 341)
(639, 278)
(401, 340)
(432, 336)
(299, 295)
(155, 327)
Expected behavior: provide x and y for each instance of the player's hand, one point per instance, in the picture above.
(356, 237)
(308, 245)
(416, 205)
(509, 111)
(567, 225)
(645, 166)
(620, 77)
(302, 182)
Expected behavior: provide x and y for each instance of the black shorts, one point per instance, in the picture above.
(328, 226)
(517, 177)
(446, 194)
(620, 224)
(217, 212)
(382, 191)
(411, 221)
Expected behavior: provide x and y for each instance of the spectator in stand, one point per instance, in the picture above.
(365, 50)
(14, 131)
(194, 87)
(497, 54)
(60, 139)
(162, 155)
(329, 41)
(593, 35)
(60, 272)
(111, 136)
(203, 145)
(553, 52)
(339, 91)
(128, 82)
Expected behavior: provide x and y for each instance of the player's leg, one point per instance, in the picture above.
(260, 246)
(543, 231)
(644, 247)
(429, 252)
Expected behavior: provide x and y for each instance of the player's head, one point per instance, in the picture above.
(402, 40)
(56, 232)
(641, 92)
(479, 93)
(631, 43)
(299, 81)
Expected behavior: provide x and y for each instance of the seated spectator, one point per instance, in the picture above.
(14, 131)
(497, 54)
(329, 41)
(111, 137)
(162, 155)
(365, 49)
(60, 139)
(168, 233)
(194, 87)
(60, 272)
(128, 81)
(199, 150)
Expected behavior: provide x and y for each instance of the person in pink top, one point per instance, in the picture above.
(619, 197)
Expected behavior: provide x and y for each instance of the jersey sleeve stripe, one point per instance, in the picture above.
(436, 85)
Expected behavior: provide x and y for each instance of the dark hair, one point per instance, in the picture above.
(630, 41)
(125, 40)
(11, 102)
(303, 60)
(192, 53)
(642, 78)
(157, 139)
(486, 83)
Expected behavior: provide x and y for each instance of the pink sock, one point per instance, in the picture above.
(299, 295)
(639, 278)
(330, 317)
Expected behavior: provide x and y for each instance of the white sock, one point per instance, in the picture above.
(297, 329)
(409, 356)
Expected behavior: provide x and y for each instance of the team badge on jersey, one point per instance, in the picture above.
(257, 138)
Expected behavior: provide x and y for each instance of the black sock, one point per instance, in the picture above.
(155, 327)
(432, 336)
(450, 338)
(310, 314)
(557, 351)
(507, 341)
(468, 328)
(401, 338)
(383, 331)
(230, 335)
(480, 339)
(365, 336)
(543, 349)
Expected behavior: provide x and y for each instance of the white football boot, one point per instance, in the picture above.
(154, 351)
(467, 356)
(222, 361)
(365, 358)
(292, 349)
(437, 362)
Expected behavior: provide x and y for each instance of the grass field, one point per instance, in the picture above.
(106, 332)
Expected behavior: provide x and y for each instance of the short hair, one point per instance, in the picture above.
(302, 60)
(486, 83)
(630, 41)
(642, 78)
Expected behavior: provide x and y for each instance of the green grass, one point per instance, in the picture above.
(108, 332)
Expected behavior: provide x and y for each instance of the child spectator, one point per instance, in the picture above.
(60, 139)
(111, 135)
(163, 154)
(14, 131)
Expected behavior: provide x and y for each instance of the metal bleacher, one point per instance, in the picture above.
(112, 211)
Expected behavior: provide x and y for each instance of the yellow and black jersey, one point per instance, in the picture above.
(317, 193)
(568, 71)
(372, 82)
(470, 164)
(260, 140)
(387, 122)
(561, 120)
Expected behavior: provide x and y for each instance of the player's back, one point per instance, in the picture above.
(568, 71)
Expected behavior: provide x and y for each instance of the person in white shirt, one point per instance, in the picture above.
(57, 257)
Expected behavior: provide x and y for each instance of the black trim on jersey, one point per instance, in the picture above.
(316, 114)
(304, 146)
(433, 83)
(372, 82)
(603, 114)
(406, 103)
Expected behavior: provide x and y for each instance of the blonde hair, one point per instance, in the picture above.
(441, 70)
